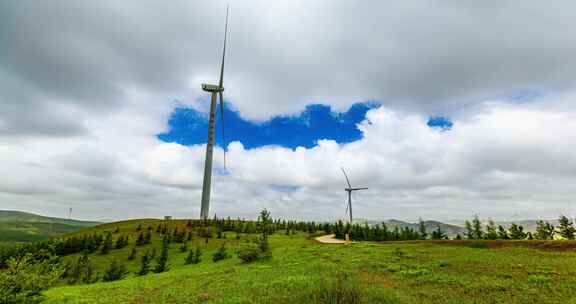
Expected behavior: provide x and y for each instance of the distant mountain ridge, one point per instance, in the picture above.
(451, 228)
(18, 226)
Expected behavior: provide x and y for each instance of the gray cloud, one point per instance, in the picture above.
(85, 86)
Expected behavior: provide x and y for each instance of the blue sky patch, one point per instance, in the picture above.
(189, 127)
(439, 122)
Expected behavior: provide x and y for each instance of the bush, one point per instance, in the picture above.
(162, 260)
(145, 264)
(24, 280)
(193, 257)
(249, 253)
(221, 254)
(116, 271)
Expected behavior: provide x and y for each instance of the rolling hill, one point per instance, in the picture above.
(18, 226)
(304, 271)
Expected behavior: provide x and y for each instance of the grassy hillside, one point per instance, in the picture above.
(19, 226)
(304, 271)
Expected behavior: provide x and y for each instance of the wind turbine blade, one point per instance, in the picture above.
(221, 83)
(222, 126)
(347, 181)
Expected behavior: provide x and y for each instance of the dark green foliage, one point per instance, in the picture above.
(502, 233)
(477, 233)
(148, 237)
(189, 236)
(162, 260)
(221, 254)
(25, 279)
(139, 227)
(107, 245)
(249, 253)
(121, 242)
(458, 237)
(219, 232)
(184, 247)
(117, 230)
(193, 256)
(566, 228)
(140, 240)
(132, 254)
(469, 230)
(422, 229)
(544, 230)
(82, 271)
(145, 264)
(115, 271)
(491, 232)
(516, 232)
(438, 234)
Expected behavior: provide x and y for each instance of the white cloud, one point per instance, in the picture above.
(502, 161)
(81, 101)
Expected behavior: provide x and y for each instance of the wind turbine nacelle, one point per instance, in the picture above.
(212, 88)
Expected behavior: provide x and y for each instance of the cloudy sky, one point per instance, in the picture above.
(444, 109)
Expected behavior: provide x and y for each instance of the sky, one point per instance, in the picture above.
(442, 109)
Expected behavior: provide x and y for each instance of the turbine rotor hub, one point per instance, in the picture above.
(212, 88)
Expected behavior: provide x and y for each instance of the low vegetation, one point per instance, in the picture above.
(272, 261)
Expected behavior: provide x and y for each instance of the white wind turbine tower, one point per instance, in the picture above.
(349, 190)
(214, 90)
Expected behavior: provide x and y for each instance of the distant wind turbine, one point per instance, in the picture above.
(349, 190)
(215, 90)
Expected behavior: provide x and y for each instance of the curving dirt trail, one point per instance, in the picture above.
(329, 239)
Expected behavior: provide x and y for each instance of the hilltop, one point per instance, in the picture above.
(304, 271)
(18, 226)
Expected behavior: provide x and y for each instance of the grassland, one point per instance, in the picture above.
(18, 226)
(303, 271)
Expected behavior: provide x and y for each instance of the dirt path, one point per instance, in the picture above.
(329, 239)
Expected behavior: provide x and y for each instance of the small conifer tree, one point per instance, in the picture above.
(477, 233)
(491, 233)
(544, 230)
(184, 247)
(115, 271)
(221, 254)
(422, 229)
(145, 264)
(132, 254)
(566, 228)
(107, 244)
(190, 258)
(162, 260)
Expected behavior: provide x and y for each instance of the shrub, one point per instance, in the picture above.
(193, 257)
(145, 264)
(24, 280)
(162, 261)
(115, 271)
(221, 254)
(249, 253)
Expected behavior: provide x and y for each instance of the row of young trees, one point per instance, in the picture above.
(544, 230)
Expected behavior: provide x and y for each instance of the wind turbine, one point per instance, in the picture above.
(349, 190)
(215, 90)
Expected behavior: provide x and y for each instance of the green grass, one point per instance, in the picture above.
(303, 271)
(18, 226)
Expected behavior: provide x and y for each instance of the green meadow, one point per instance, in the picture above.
(304, 271)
